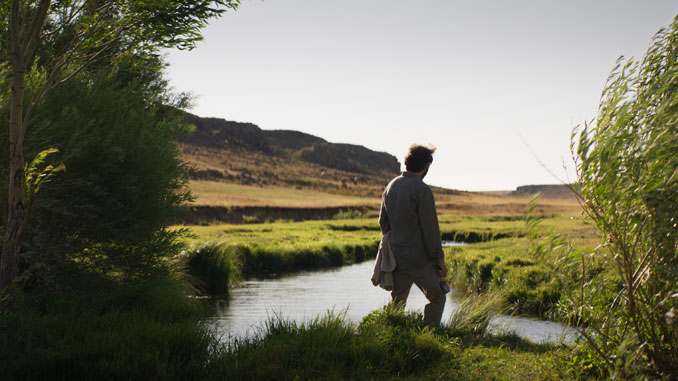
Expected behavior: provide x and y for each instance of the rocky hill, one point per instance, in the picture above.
(246, 138)
(554, 191)
(243, 153)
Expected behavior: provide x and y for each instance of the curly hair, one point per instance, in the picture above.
(418, 157)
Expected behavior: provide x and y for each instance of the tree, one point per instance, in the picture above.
(124, 179)
(628, 170)
(49, 42)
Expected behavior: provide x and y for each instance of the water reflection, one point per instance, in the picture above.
(347, 290)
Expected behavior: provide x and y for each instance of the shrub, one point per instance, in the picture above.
(628, 170)
(123, 182)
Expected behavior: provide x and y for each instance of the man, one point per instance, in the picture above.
(408, 211)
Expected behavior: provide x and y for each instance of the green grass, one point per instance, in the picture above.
(502, 258)
(226, 194)
(387, 344)
(517, 270)
(146, 331)
(214, 267)
(284, 235)
(506, 266)
(153, 331)
(283, 247)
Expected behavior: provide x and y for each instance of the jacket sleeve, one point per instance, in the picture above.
(428, 220)
(383, 216)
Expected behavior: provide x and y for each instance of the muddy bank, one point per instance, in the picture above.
(200, 215)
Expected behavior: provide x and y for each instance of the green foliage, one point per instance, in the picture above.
(91, 32)
(387, 344)
(628, 169)
(508, 267)
(39, 172)
(269, 259)
(111, 135)
(349, 214)
(214, 266)
(279, 247)
(122, 184)
(144, 331)
(151, 330)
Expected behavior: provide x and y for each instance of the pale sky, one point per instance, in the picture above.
(469, 77)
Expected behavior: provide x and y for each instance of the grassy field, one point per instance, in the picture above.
(227, 194)
(152, 331)
(390, 344)
(502, 257)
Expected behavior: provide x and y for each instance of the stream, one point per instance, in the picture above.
(306, 295)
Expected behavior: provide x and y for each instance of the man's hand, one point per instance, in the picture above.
(442, 267)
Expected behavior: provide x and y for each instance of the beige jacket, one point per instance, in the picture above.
(384, 264)
(408, 211)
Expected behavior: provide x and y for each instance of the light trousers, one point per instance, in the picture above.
(428, 281)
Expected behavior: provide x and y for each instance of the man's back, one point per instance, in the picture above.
(408, 211)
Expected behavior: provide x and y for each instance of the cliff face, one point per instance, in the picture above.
(247, 138)
(555, 191)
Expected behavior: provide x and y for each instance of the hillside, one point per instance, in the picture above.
(241, 173)
(243, 153)
(553, 191)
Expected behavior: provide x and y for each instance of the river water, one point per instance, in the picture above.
(348, 290)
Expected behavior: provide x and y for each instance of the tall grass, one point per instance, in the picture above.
(507, 267)
(261, 260)
(473, 314)
(388, 343)
(217, 266)
(153, 331)
(214, 267)
(146, 331)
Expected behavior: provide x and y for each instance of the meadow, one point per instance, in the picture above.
(502, 255)
(149, 331)
(153, 329)
(215, 193)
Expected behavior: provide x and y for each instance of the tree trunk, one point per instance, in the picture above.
(16, 211)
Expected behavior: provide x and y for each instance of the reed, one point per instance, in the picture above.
(214, 267)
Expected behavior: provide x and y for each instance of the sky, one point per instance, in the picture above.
(496, 85)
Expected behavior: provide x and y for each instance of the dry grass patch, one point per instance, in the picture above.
(212, 193)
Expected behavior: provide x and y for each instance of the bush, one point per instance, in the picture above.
(628, 170)
(123, 180)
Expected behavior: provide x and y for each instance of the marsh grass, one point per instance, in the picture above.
(136, 332)
(473, 314)
(501, 262)
(388, 343)
(527, 284)
(214, 267)
(153, 331)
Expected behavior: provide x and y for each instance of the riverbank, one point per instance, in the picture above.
(390, 344)
(152, 331)
(503, 258)
(347, 291)
(266, 249)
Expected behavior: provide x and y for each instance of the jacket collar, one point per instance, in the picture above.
(410, 174)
